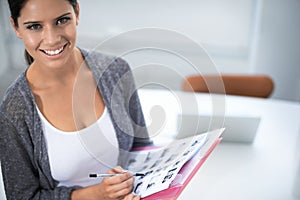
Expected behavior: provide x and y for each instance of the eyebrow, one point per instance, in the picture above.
(36, 22)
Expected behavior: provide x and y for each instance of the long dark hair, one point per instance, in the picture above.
(16, 6)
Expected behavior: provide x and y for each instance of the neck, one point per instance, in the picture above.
(44, 76)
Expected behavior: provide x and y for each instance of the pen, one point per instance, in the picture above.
(111, 175)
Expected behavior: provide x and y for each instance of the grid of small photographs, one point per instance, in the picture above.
(161, 166)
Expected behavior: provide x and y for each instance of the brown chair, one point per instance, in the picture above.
(243, 85)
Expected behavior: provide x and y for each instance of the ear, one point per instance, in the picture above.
(16, 28)
(77, 14)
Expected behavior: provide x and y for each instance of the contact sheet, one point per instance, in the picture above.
(161, 165)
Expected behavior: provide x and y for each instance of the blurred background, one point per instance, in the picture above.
(240, 36)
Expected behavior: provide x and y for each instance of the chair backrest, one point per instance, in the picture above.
(243, 85)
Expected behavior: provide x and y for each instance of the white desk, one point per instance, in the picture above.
(263, 170)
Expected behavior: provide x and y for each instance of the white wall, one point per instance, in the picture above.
(4, 58)
(278, 50)
(249, 36)
(223, 27)
(241, 36)
(11, 50)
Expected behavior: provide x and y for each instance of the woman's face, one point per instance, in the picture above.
(48, 30)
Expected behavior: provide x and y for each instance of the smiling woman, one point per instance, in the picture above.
(47, 33)
(57, 119)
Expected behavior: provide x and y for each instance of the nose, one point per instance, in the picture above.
(51, 36)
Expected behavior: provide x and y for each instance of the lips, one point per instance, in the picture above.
(54, 52)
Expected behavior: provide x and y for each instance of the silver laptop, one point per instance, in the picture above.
(237, 128)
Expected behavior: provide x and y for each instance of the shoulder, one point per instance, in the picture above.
(104, 62)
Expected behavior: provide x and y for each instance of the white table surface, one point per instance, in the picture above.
(265, 169)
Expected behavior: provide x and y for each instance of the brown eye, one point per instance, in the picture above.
(34, 27)
(63, 20)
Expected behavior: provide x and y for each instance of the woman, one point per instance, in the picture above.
(50, 114)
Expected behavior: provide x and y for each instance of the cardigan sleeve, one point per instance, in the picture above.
(141, 135)
(20, 175)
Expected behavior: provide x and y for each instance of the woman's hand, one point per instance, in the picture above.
(117, 187)
(113, 188)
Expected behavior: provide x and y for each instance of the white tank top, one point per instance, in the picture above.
(74, 155)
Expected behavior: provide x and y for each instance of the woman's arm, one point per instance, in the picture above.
(141, 136)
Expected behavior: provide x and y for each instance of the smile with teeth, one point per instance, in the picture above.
(54, 52)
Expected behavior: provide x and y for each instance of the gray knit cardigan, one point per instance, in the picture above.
(24, 158)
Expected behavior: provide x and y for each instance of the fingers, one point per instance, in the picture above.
(131, 197)
(121, 184)
(125, 178)
(117, 170)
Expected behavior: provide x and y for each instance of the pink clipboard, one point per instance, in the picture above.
(184, 176)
